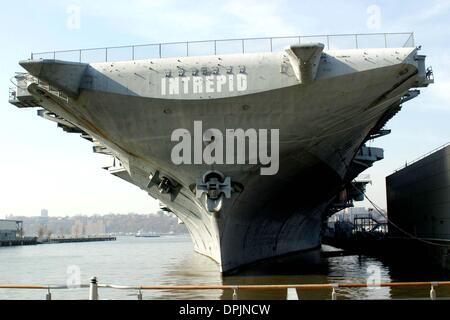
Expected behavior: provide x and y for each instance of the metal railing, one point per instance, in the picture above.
(48, 289)
(94, 287)
(227, 46)
(407, 164)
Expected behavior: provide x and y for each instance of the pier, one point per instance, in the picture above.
(11, 234)
(36, 241)
(417, 220)
(18, 242)
(81, 239)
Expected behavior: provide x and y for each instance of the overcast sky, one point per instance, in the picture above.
(43, 167)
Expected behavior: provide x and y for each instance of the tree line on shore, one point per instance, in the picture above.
(160, 222)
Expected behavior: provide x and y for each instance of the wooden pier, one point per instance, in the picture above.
(18, 242)
(35, 241)
(80, 239)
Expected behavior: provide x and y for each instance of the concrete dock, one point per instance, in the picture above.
(18, 242)
(80, 239)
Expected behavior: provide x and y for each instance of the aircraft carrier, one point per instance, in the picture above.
(168, 124)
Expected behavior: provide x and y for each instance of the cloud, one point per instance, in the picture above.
(421, 16)
(440, 97)
(259, 18)
(438, 93)
(439, 8)
(163, 21)
(157, 21)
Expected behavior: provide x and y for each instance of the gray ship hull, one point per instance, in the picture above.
(322, 124)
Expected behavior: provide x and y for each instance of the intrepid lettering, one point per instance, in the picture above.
(204, 84)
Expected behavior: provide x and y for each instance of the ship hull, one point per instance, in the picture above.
(322, 126)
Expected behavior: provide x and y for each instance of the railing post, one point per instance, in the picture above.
(432, 292)
(271, 45)
(187, 49)
(356, 41)
(160, 50)
(292, 294)
(93, 289)
(132, 53)
(106, 54)
(215, 47)
(328, 42)
(385, 40)
(32, 56)
(243, 47)
(235, 295)
(333, 294)
(48, 296)
(139, 295)
(80, 54)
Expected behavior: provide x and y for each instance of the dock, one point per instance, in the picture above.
(417, 222)
(77, 239)
(18, 242)
(36, 241)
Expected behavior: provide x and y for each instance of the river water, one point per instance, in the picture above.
(170, 260)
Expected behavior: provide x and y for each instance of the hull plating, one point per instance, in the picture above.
(322, 125)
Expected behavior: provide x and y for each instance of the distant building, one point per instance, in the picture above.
(77, 228)
(95, 228)
(11, 230)
(43, 219)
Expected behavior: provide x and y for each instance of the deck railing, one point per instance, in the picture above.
(94, 287)
(227, 46)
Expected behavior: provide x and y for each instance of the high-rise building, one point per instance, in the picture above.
(43, 219)
(44, 213)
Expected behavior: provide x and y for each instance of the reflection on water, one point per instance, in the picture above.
(171, 261)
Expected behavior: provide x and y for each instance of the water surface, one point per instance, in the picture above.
(171, 260)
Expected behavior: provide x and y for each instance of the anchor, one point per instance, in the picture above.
(213, 188)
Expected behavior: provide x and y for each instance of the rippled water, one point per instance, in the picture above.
(171, 261)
